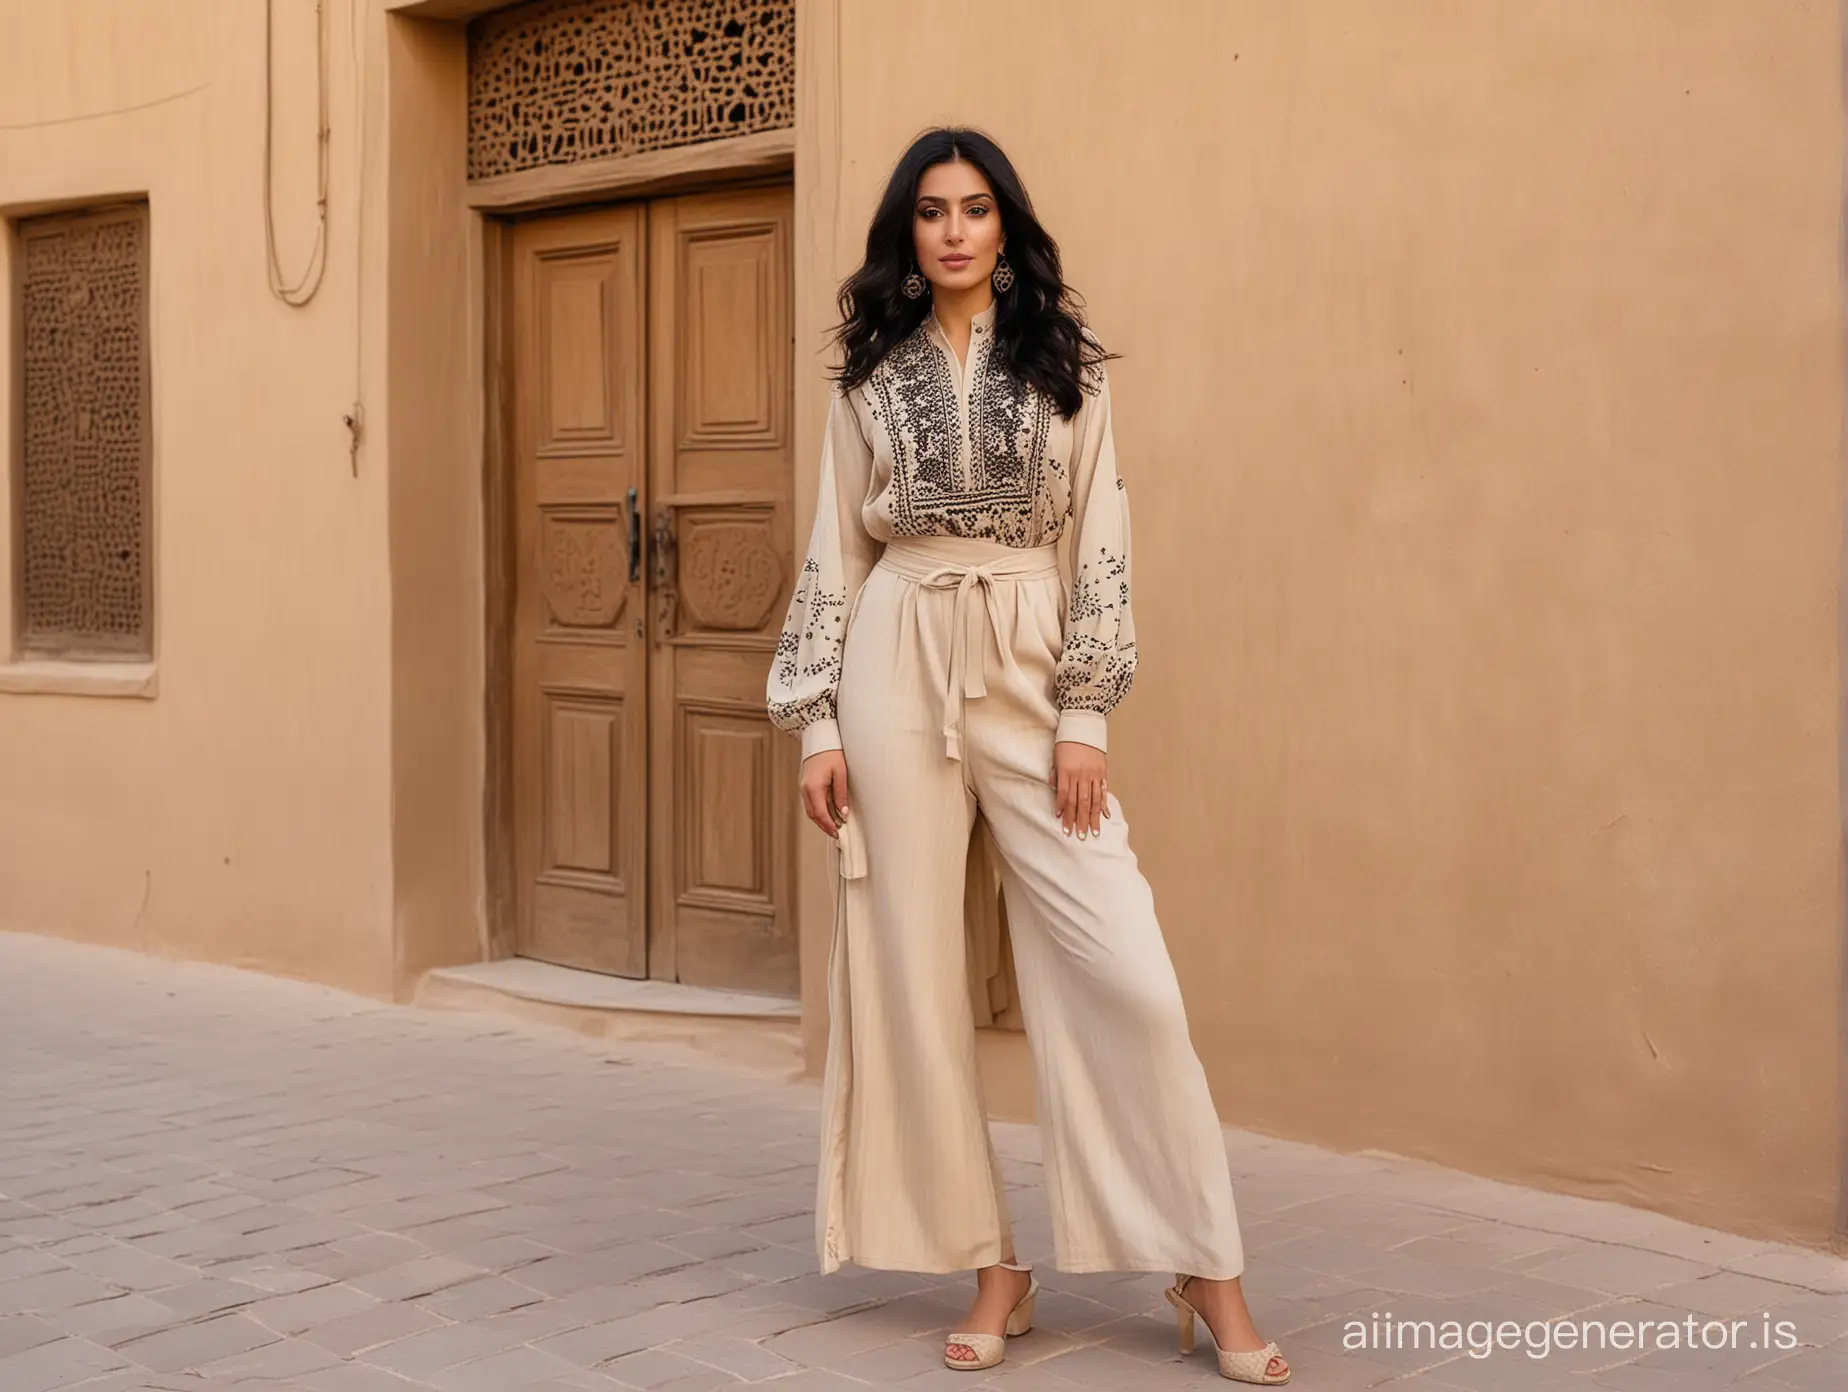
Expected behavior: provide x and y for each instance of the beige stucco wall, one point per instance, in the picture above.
(1480, 409)
(303, 794)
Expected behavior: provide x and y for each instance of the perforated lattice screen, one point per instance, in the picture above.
(83, 497)
(559, 81)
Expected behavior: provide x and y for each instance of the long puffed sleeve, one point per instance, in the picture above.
(806, 672)
(1099, 660)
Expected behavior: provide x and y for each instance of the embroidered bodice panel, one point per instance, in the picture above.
(933, 446)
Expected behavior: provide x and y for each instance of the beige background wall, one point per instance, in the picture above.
(1481, 410)
(247, 814)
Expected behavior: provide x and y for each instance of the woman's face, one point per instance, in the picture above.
(956, 226)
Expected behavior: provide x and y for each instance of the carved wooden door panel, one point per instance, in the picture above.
(579, 707)
(720, 344)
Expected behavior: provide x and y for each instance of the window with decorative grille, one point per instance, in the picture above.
(84, 574)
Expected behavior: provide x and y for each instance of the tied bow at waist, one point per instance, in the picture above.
(968, 566)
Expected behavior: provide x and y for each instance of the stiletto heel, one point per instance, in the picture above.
(1240, 1365)
(990, 1349)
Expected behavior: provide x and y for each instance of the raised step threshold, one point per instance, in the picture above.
(742, 1027)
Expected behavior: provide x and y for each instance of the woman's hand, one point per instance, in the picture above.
(1078, 779)
(824, 789)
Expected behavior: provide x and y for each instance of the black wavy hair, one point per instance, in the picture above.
(1039, 326)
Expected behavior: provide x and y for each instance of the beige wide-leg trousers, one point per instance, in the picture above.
(945, 704)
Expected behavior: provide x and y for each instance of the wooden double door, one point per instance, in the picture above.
(651, 510)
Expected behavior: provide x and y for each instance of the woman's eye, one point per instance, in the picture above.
(978, 211)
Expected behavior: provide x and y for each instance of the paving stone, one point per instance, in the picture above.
(707, 1244)
(384, 1323)
(274, 1276)
(202, 1296)
(1815, 1271)
(21, 1332)
(1093, 1367)
(821, 1380)
(1815, 1319)
(700, 1282)
(589, 1345)
(1618, 1270)
(1416, 1276)
(654, 1368)
(26, 1261)
(1332, 1252)
(830, 1342)
(1484, 1244)
(490, 1295)
(61, 1363)
(501, 1253)
(361, 1256)
(299, 1311)
(1809, 1370)
(1053, 1309)
(194, 1344)
(560, 1275)
(420, 1276)
(357, 1377)
(117, 1319)
(771, 1262)
(501, 1372)
(280, 1362)
(141, 1380)
(743, 1358)
(1724, 1294)
(52, 1291)
(252, 1183)
(423, 1355)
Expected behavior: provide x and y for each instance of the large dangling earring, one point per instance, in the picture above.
(1003, 276)
(914, 285)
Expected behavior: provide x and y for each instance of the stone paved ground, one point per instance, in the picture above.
(215, 1180)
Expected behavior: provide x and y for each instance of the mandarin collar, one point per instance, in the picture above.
(981, 324)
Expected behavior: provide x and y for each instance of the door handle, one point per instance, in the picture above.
(665, 570)
(635, 538)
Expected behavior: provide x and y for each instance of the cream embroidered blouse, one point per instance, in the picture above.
(930, 447)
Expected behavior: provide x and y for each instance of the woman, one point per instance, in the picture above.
(931, 653)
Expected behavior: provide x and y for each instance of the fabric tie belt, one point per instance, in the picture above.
(967, 565)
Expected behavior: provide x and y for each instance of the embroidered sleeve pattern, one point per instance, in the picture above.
(805, 673)
(808, 651)
(1098, 663)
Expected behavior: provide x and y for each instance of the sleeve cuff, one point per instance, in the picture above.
(1083, 727)
(819, 736)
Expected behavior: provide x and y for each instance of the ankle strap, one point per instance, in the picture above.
(1011, 1267)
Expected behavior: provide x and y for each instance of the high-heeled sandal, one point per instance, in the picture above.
(989, 1349)
(1241, 1365)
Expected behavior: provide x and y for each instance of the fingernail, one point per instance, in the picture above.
(1081, 836)
(1068, 831)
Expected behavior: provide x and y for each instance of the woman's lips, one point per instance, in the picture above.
(955, 263)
